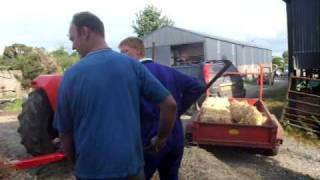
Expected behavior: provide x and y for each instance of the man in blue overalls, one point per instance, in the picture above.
(185, 91)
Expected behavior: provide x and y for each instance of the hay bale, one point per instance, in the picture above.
(215, 109)
(238, 110)
(244, 113)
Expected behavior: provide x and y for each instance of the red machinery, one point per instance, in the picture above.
(34, 161)
(266, 138)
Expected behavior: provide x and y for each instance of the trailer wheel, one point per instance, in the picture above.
(271, 152)
(188, 140)
(35, 128)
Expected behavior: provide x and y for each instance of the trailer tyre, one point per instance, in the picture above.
(271, 152)
(35, 121)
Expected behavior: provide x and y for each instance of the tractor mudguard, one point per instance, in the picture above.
(50, 84)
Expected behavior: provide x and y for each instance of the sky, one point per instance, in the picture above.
(45, 23)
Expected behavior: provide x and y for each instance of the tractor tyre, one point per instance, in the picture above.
(36, 130)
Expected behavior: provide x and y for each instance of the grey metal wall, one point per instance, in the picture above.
(303, 34)
(162, 54)
(244, 55)
(238, 54)
(216, 49)
(227, 51)
(171, 36)
(211, 50)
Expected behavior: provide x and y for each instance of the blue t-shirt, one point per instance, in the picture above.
(98, 103)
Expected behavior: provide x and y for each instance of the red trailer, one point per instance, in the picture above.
(266, 138)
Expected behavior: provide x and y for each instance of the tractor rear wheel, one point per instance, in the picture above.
(35, 128)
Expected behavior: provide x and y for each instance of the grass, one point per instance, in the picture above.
(16, 106)
(276, 102)
(250, 81)
(301, 136)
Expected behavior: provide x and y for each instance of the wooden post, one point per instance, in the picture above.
(153, 51)
(261, 82)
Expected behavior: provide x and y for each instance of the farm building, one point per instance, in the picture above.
(174, 46)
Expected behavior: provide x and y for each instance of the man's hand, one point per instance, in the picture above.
(156, 144)
(168, 110)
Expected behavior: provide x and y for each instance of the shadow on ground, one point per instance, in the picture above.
(11, 149)
(264, 166)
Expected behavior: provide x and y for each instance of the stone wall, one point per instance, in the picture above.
(9, 85)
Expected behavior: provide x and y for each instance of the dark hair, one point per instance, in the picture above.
(87, 19)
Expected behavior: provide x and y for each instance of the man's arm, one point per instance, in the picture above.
(154, 91)
(63, 120)
(168, 110)
(68, 146)
(191, 88)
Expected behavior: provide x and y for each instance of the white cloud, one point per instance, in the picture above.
(45, 23)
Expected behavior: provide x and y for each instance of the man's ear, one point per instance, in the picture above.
(141, 52)
(85, 32)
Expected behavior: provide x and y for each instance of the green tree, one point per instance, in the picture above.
(48, 63)
(3, 63)
(277, 61)
(285, 57)
(30, 66)
(30, 61)
(148, 20)
(15, 50)
(64, 59)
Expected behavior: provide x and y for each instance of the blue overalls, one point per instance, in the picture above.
(185, 91)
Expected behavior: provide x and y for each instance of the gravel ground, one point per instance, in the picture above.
(294, 161)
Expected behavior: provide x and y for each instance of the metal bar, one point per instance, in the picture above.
(295, 109)
(305, 78)
(289, 85)
(307, 123)
(227, 64)
(287, 96)
(261, 82)
(305, 94)
(306, 103)
(36, 161)
(239, 73)
(306, 51)
(232, 142)
(301, 127)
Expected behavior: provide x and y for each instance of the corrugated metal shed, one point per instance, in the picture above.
(169, 35)
(303, 34)
(173, 44)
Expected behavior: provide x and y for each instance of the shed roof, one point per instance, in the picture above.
(204, 35)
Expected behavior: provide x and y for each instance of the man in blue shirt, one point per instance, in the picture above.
(185, 91)
(99, 104)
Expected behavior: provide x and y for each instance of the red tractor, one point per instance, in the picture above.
(36, 130)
